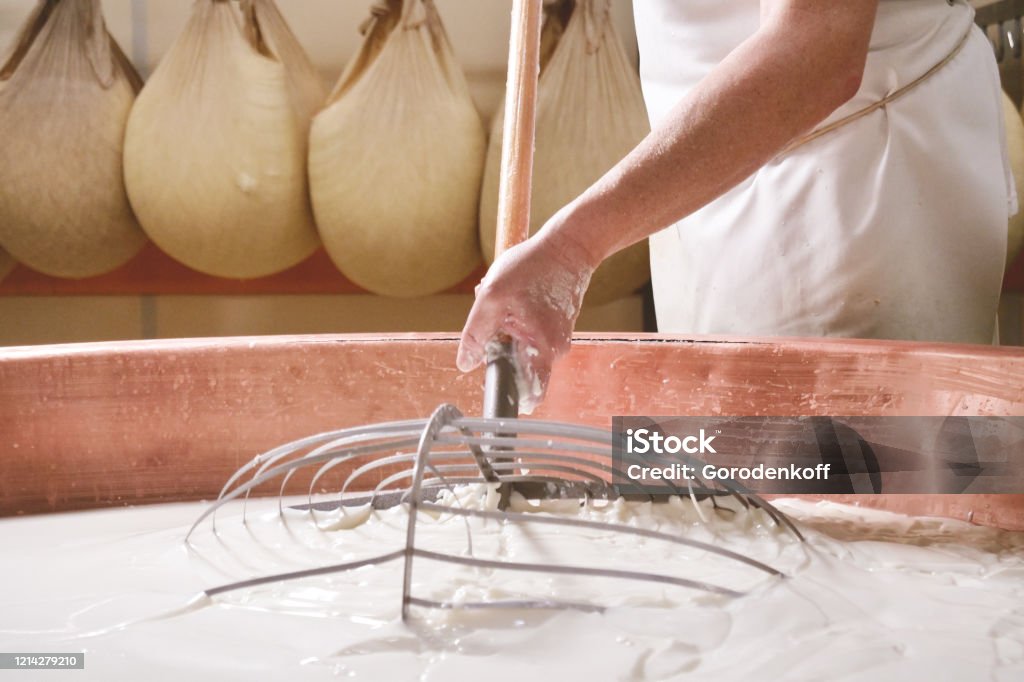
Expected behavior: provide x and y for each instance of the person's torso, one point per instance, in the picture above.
(681, 41)
(891, 226)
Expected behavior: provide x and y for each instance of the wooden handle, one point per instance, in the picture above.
(520, 119)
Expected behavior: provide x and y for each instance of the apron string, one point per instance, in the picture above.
(891, 97)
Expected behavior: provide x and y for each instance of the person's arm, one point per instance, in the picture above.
(805, 60)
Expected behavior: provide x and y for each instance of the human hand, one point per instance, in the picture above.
(532, 293)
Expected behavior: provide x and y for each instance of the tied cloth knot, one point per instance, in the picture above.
(384, 8)
(891, 97)
(597, 19)
(378, 11)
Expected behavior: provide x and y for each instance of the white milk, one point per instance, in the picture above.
(870, 596)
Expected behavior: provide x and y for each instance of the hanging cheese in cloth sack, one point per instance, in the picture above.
(215, 155)
(65, 93)
(1015, 143)
(590, 114)
(396, 158)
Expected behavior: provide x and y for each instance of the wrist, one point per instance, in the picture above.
(563, 236)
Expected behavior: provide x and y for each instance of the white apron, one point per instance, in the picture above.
(893, 226)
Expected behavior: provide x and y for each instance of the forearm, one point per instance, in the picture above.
(777, 85)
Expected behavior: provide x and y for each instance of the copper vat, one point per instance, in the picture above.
(97, 425)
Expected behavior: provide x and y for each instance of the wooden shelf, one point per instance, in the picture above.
(153, 273)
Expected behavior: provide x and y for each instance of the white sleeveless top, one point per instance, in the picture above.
(893, 226)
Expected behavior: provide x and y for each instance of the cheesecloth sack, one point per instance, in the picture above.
(396, 158)
(215, 153)
(590, 114)
(65, 93)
